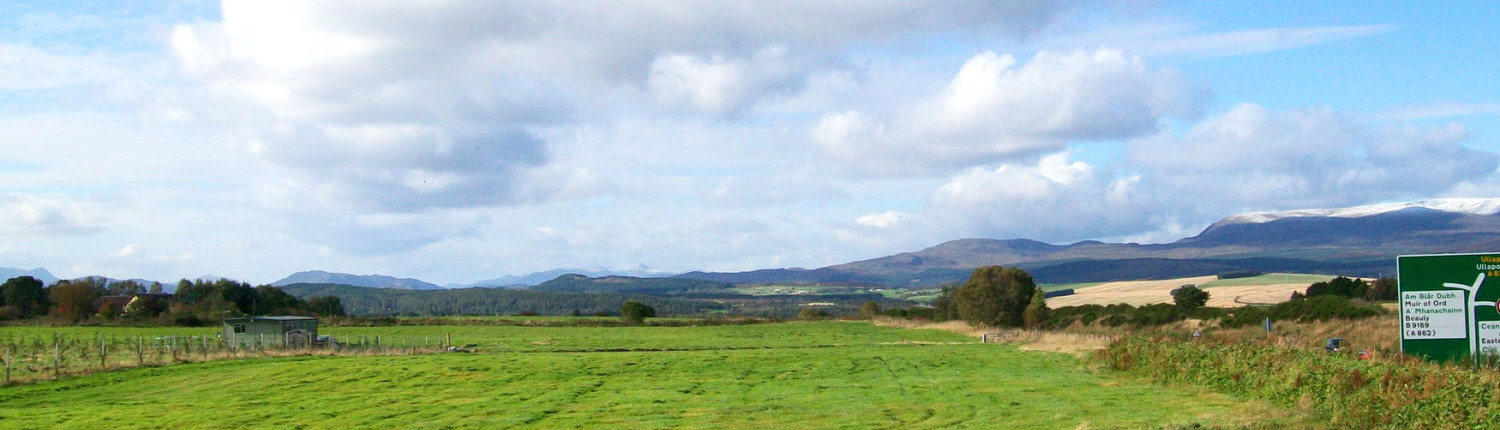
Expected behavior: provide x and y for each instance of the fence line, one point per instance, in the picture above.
(39, 358)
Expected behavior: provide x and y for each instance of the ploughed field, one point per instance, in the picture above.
(785, 375)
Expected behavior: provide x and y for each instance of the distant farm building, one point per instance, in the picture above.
(288, 331)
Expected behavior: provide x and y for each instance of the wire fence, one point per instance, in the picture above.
(35, 358)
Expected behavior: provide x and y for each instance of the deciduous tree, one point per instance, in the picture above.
(1036, 311)
(1189, 297)
(995, 296)
(71, 300)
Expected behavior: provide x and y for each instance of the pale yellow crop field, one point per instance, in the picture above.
(1137, 293)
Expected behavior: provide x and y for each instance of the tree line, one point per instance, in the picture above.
(193, 303)
(494, 301)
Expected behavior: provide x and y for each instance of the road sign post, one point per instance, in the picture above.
(1448, 305)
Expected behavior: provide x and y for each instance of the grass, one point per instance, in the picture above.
(1384, 391)
(1075, 286)
(796, 375)
(1268, 279)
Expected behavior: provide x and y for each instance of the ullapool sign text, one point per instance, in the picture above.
(1448, 305)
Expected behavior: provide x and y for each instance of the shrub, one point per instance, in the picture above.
(811, 314)
(1088, 318)
(634, 312)
(869, 310)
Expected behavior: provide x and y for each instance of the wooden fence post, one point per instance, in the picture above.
(55, 356)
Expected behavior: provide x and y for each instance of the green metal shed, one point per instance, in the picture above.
(287, 331)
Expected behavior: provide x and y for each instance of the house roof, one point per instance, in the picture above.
(271, 318)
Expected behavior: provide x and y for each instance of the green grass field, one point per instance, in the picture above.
(1075, 286)
(789, 375)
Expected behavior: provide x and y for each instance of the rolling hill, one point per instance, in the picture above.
(1358, 241)
(371, 281)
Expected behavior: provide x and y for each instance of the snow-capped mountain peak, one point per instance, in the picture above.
(1473, 206)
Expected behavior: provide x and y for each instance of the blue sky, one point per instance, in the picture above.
(461, 141)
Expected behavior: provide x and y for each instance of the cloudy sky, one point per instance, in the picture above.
(460, 140)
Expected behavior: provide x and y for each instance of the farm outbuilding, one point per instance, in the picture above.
(290, 331)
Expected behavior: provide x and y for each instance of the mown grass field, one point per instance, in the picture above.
(789, 375)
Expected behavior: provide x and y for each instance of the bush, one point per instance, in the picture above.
(634, 312)
(1088, 318)
(187, 319)
(1116, 320)
(869, 310)
(812, 314)
(1320, 308)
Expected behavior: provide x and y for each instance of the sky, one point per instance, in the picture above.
(455, 141)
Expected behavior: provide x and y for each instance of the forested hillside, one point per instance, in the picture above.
(486, 301)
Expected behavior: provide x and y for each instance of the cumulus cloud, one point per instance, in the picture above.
(1255, 157)
(720, 85)
(390, 106)
(993, 109)
(1054, 199)
(885, 220)
(1167, 186)
(23, 214)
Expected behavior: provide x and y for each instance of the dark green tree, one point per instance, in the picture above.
(943, 308)
(634, 312)
(238, 294)
(1384, 289)
(1340, 286)
(326, 306)
(995, 296)
(124, 288)
(1036, 311)
(1189, 297)
(272, 301)
(26, 295)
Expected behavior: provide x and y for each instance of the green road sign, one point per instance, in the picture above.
(1448, 305)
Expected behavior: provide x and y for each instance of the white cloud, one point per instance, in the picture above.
(1055, 199)
(992, 110)
(25, 214)
(885, 220)
(128, 250)
(1252, 157)
(719, 85)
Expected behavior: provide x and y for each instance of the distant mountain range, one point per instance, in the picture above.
(38, 273)
(1355, 241)
(1359, 241)
(372, 281)
(513, 281)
